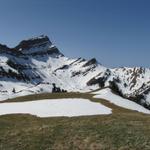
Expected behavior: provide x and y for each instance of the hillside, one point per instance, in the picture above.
(123, 129)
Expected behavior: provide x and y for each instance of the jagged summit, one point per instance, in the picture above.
(32, 46)
(39, 37)
(29, 42)
(34, 42)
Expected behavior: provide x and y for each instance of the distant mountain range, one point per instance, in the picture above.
(37, 66)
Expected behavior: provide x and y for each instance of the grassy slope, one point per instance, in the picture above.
(122, 130)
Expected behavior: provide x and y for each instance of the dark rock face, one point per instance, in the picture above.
(100, 81)
(27, 44)
(93, 61)
(24, 46)
(4, 47)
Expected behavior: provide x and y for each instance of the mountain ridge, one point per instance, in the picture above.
(35, 64)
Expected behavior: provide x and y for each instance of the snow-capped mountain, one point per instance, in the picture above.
(36, 65)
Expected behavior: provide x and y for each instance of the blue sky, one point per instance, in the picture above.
(116, 32)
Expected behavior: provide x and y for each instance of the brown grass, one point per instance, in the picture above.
(122, 130)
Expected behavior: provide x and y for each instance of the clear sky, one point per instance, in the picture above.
(116, 32)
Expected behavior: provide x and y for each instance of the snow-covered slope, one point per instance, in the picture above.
(119, 101)
(35, 65)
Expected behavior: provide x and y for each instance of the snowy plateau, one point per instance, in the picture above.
(35, 65)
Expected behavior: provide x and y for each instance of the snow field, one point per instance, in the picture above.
(55, 107)
(119, 101)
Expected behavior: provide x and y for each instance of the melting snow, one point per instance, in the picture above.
(55, 107)
(119, 101)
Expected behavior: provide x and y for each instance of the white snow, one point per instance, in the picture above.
(119, 101)
(55, 107)
(47, 68)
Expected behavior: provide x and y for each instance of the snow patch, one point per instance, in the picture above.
(119, 101)
(55, 107)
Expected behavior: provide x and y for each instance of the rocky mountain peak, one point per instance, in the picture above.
(33, 42)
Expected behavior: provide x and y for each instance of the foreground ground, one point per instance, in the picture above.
(123, 129)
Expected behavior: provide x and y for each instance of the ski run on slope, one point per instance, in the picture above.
(119, 101)
(55, 107)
